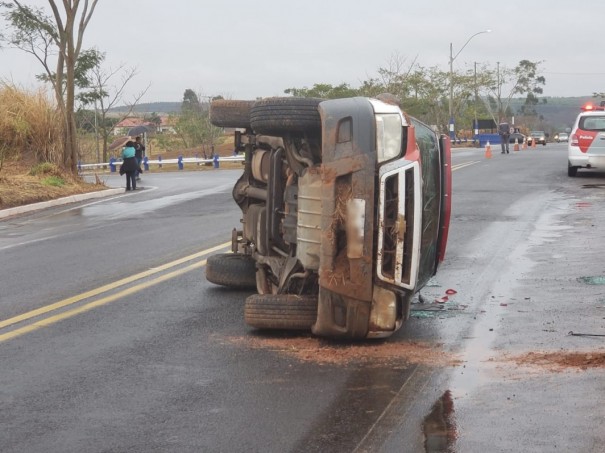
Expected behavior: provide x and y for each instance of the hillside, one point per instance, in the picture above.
(558, 112)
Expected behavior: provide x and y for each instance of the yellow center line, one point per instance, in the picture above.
(97, 303)
(108, 287)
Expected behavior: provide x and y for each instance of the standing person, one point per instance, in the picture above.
(504, 132)
(129, 166)
(139, 150)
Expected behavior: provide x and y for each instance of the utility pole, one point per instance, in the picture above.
(476, 124)
(499, 91)
(452, 126)
(97, 134)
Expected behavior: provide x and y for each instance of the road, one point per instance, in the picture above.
(111, 340)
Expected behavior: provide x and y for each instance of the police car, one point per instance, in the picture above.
(586, 146)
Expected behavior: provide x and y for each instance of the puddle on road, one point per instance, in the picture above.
(374, 353)
(439, 427)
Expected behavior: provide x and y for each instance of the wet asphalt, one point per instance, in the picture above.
(172, 367)
(524, 237)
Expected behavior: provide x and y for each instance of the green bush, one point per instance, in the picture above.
(45, 168)
(55, 181)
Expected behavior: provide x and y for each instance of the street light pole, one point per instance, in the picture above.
(451, 100)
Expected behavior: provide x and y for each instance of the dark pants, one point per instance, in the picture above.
(139, 160)
(131, 180)
(505, 140)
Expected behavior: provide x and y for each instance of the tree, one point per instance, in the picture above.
(154, 118)
(324, 91)
(105, 94)
(504, 83)
(58, 37)
(193, 124)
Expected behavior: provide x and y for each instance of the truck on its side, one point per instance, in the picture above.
(345, 213)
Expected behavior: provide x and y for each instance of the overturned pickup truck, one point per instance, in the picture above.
(345, 212)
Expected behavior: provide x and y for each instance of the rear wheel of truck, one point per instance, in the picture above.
(276, 116)
(281, 311)
(232, 270)
(227, 113)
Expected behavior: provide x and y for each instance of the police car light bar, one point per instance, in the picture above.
(590, 106)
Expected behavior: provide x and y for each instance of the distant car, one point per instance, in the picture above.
(586, 146)
(538, 136)
(517, 136)
(562, 137)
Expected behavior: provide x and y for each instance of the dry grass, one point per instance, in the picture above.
(21, 184)
(31, 150)
(29, 126)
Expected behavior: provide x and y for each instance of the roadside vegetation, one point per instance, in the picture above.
(31, 150)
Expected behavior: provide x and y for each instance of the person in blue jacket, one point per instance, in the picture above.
(130, 165)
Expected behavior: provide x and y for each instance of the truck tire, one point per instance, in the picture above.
(276, 116)
(232, 270)
(227, 113)
(281, 311)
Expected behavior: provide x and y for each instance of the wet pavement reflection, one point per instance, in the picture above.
(439, 426)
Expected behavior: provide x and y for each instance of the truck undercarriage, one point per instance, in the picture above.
(332, 201)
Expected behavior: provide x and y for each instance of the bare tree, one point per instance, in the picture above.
(105, 94)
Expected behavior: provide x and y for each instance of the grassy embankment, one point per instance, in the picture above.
(31, 148)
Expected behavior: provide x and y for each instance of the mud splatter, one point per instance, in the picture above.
(377, 353)
(562, 361)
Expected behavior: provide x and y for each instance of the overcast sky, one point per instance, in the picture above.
(247, 49)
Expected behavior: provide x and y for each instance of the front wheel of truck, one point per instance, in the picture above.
(233, 270)
(281, 311)
(277, 116)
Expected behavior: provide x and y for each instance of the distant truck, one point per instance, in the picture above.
(345, 213)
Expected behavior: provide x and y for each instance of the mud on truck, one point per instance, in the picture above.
(345, 213)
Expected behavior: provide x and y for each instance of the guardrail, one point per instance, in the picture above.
(180, 161)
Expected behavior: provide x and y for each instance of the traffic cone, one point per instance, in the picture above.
(516, 147)
(533, 143)
(524, 144)
(488, 151)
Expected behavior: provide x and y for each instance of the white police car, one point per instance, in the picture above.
(586, 146)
